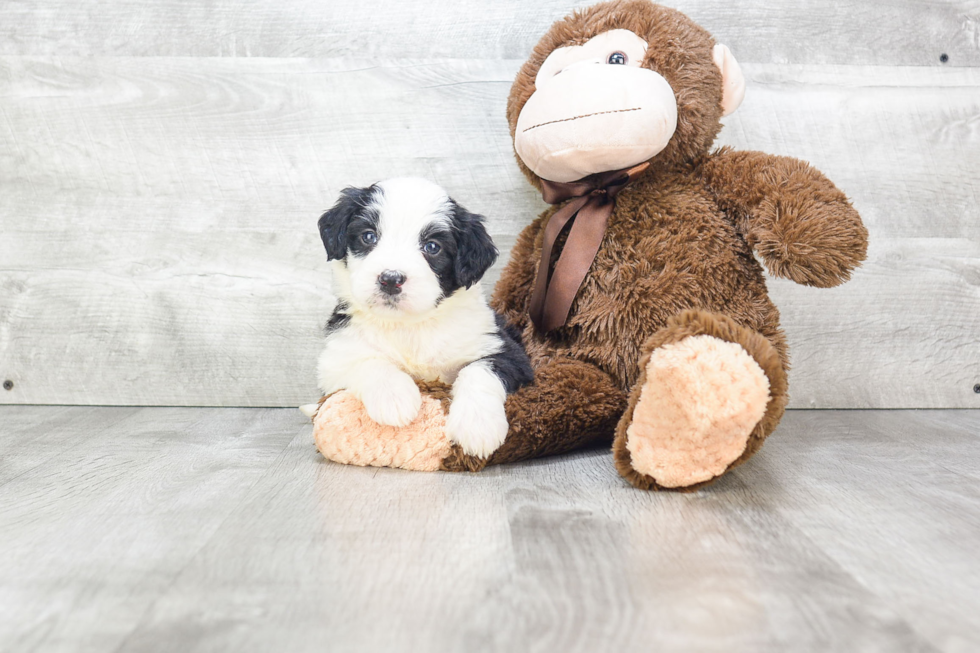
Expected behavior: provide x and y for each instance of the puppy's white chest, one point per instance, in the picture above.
(438, 350)
(432, 359)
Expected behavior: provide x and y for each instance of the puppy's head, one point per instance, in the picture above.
(403, 245)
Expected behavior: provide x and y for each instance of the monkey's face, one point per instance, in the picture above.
(595, 108)
(593, 100)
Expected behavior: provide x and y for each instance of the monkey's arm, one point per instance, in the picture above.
(513, 289)
(802, 226)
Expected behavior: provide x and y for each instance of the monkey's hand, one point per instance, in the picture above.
(802, 226)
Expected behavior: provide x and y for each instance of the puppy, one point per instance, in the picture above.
(406, 262)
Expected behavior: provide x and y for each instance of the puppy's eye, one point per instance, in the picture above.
(432, 248)
(617, 58)
(369, 238)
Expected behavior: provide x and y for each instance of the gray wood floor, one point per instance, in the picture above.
(192, 529)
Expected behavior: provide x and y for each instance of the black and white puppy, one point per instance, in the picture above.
(407, 261)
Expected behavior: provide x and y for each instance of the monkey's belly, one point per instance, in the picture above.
(609, 325)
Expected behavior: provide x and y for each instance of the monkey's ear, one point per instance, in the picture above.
(333, 223)
(732, 80)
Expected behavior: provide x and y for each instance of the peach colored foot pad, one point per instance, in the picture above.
(345, 434)
(700, 402)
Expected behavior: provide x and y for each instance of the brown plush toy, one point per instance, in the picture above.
(642, 307)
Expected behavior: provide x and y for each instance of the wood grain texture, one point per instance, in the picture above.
(898, 32)
(153, 486)
(854, 463)
(158, 217)
(162, 529)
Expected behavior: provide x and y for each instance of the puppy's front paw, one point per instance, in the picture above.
(477, 423)
(394, 401)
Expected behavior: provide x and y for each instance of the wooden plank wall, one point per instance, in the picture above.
(162, 166)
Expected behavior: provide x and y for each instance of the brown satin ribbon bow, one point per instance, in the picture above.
(594, 199)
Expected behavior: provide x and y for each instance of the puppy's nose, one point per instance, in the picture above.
(391, 282)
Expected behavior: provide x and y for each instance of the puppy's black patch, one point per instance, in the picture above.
(338, 319)
(475, 251)
(466, 250)
(347, 221)
(511, 364)
(442, 263)
(364, 224)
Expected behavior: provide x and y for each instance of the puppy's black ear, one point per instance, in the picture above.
(333, 223)
(475, 251)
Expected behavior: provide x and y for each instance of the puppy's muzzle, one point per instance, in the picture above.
(390, 282)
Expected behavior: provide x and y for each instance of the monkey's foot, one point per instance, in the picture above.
(691, 413)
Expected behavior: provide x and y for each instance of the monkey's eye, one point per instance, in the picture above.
(432, 248)
(617, 58)
(369, 238)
